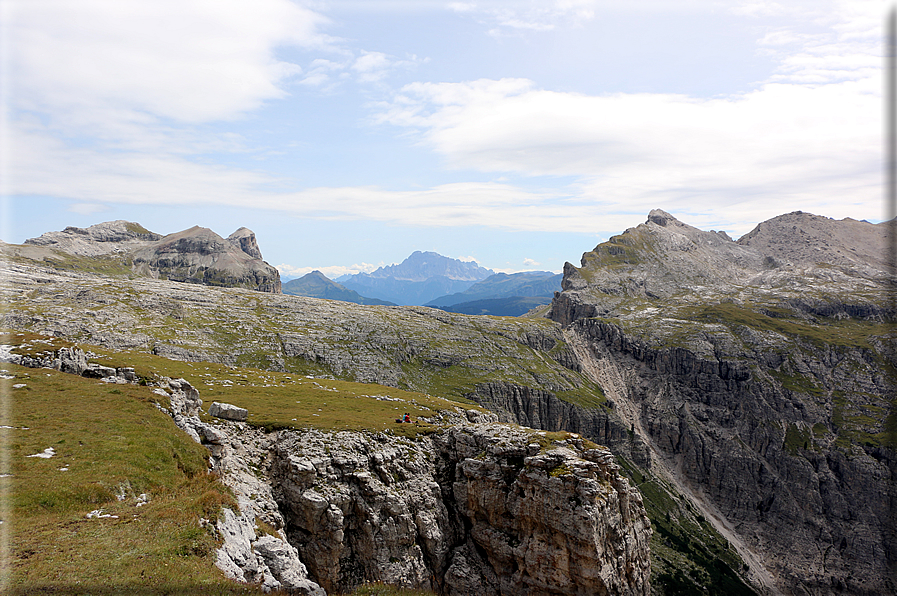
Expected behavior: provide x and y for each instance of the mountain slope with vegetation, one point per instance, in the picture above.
(450, 355)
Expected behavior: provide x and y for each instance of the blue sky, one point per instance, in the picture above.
(348, 134)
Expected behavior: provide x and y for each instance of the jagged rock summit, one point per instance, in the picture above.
(244, 238)
(199, 255)
(195, 255)
(666, 259)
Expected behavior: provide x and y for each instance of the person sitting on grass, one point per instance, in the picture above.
(407, 417)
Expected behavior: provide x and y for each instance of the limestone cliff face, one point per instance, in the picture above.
(758, 373)
(476, 509)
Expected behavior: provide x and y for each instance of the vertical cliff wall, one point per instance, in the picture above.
(482, 509)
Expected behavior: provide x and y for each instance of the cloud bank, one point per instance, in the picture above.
(114, 102)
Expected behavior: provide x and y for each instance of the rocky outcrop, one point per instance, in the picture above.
(227, 411)
(73, 361)
(473, 510)
(244, 239)
(199, 255)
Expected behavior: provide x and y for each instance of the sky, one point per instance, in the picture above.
(518, 133)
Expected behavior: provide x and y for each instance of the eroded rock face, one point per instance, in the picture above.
(244, 238)
(758, 372)
(476, 509)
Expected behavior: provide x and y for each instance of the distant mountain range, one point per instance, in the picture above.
(499, 307)
(318, 285)
(420, 278)
(430, 279)
(528, 284)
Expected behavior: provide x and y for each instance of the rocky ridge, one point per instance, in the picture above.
(197, 255)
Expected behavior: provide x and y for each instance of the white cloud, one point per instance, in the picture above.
(108, 103)
(808, 138)
(758, 8)
(372, 67)
(183, 60)
(530, 263)
(522, 15)
(777, 140)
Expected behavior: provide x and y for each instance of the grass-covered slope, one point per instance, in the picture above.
(75, 522)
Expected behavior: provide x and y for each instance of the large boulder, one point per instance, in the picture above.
(228, 411)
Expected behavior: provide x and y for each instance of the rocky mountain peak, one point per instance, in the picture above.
(665, 257)
(423, 265)
(199, 255)
(244, 238)
(196, 255)
(661, 218)
(805, 240)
